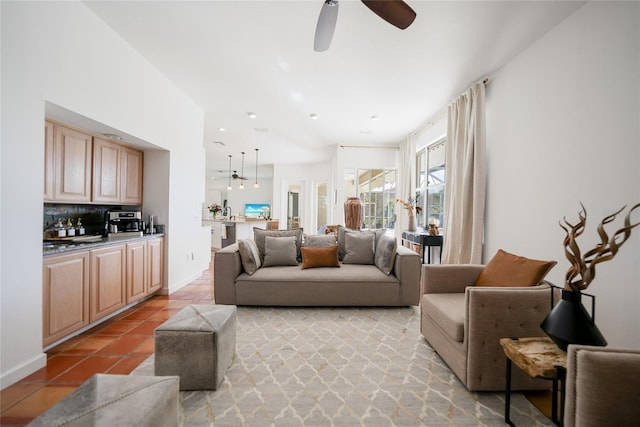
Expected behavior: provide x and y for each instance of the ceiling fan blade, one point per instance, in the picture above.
(326, 25)
(395, 12)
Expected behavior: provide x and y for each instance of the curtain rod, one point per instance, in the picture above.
(436, 117)
(395, 147)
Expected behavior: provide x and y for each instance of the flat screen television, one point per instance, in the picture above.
(255, 210)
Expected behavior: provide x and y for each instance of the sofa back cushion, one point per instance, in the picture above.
(359, 248)
(259, 235)
(507, 269)
(280, 251)
(326, 256)
(249, 255)
(319, 241)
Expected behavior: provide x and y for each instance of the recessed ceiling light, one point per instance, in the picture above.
(374, 117)
(263, 130)
(220, 143)
(252, 115)
(313, 116)
(222, 129)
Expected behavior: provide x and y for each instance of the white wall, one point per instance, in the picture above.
(62, 53)
(563, 128)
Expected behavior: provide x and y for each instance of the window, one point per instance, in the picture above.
(430, 183)
(376, 188)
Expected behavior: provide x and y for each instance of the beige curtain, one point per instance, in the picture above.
(465, 178)
(406, 181)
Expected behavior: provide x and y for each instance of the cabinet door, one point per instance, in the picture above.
(65, 295)
(131, 177)
(72, 154)
(156, 260)
(108, 267)
(106, 171)
(48, 162)
(136, 271)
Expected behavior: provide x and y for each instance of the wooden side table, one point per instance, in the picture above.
(538, 357)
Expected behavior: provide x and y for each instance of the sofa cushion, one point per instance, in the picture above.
(319, 241)
(280, 251)
(320, 257)
(259, 235)
(507, 269)
(342, 231)
(385, 253)
(447, 310)
(249, 255)
(359, 248)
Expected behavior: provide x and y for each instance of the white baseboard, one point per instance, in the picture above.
(25, 369)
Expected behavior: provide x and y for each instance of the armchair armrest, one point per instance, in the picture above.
(494, 313)
(449, 278)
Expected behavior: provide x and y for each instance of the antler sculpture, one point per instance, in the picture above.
(583, 268)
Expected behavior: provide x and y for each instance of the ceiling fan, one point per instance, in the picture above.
(395, 12)
(236, 176)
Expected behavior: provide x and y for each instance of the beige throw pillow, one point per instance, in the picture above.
(280, 251)
(249, 256)
(359, 248)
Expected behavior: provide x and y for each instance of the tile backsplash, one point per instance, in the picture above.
(93, 216)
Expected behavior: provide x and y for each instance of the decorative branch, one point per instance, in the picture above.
(583, 267)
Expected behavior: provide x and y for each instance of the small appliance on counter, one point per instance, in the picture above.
(123, 224)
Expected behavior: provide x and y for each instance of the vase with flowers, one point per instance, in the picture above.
(411, 208)
(214, 210)
(569, 322)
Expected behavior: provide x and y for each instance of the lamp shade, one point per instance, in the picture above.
(569, 323)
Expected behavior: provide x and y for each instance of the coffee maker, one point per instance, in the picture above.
(123, 224)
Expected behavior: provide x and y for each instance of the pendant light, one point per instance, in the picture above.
(256, 185)
(229, 188)
(242, 173)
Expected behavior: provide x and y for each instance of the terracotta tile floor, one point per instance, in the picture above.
(116, 346)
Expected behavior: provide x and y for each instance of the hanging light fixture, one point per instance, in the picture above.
(242, 173)
(256, 185)
(229, 188)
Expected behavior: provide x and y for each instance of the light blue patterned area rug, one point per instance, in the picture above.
(341, 367)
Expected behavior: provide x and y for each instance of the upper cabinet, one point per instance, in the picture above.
(86, 169)
(67, 164)
(131, 176)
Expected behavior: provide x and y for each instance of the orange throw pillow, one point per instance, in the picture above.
(506, 269)
(320, 257)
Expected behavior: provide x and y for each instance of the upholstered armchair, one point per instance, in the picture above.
(602, 387)
(463, 323)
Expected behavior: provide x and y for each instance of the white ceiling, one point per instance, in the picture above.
(235, 57)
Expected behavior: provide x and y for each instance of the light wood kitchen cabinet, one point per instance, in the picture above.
(117, 173)
(65, 295)
(106, 171)
(156, 264)
(72, 152)
(131, 176)
(137, 267)
(108, 279)
(48, 161)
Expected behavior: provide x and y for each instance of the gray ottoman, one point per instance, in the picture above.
(117, 400)
(197, 344)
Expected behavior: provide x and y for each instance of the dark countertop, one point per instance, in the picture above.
(58, 247)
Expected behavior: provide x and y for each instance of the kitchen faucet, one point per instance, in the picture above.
(225, 212)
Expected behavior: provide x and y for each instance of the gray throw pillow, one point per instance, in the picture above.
(320, 241)
(385, 254)
(280, 251)
(259, 235)
(359, 248)
(249, 255)
(342, 230)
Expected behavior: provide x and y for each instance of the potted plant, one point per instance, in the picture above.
(215, 209)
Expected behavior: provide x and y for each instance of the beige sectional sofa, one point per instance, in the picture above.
(290, 285)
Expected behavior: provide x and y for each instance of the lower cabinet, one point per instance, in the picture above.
(65, 295)
(84, 287)
(108, 268)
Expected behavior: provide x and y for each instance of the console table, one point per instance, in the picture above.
(424, 239)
